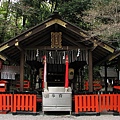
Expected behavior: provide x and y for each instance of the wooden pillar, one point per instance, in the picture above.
(105, 79)
(90, 71)
(21, 70)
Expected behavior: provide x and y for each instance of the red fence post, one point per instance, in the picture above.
(84, 102)
(1, 102)
(76, 104)
(118, 103)
(27, 101)
(31, 103)
(34, 103)
(80, 103)
(9, 102)
(14, 103)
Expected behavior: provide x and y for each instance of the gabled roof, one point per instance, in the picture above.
(40, 37)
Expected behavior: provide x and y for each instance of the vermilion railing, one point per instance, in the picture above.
(24, 102)
(6, 102)
(18, 102)
(97, 103)
(109, 102)
(86, 103)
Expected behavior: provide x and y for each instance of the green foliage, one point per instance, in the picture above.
(115, 39)
(4, 19)
(73, 11)
(96, 73)
(38, 15)
(24, 14)
(97, 16)
(32, 12)
(16, 17)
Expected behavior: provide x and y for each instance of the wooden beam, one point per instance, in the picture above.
(56, 21)
(109, 57)
(3, 57)
(49, 48)
(95, 57)
(114, 56)
(74, 42)
(6, 57)
(105, 46)
(38, 36)
(21, 49)
(5, 46)
(76, 30)
(90, 71)
(95, 44)
(85, 35)
(18, 46)
(22, 36)
(40, 41)
(75, 37)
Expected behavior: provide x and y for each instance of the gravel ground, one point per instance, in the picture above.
(57, 117)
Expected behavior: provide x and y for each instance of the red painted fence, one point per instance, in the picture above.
(24, 102)
(83, 103)
(109, 102)
(6, 102)
(97, 103)
(86, 103)
(17, 102)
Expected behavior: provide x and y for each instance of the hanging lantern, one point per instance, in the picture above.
(0, 64)
(70, 73)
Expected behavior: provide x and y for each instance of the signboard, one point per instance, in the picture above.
(56, 39)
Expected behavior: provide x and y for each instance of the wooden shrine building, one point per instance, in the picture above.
(55, 38)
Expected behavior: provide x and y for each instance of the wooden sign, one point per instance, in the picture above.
(56, 40)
